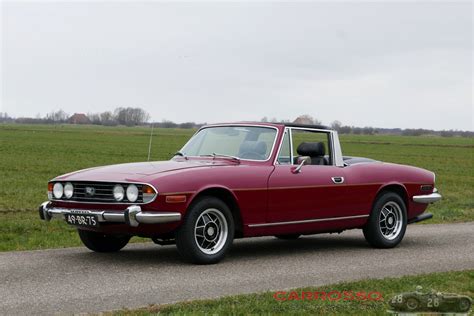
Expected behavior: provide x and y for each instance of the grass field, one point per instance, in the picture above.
(265, 303)
(33, 154)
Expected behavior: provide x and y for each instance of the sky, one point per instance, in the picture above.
(383, 64)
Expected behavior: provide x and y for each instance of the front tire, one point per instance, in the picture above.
(387, 222)
(464, 305)
(207, 232)
(99, 242)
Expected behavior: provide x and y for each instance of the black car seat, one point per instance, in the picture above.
(314, 150)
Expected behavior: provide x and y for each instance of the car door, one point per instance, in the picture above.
(313, 192)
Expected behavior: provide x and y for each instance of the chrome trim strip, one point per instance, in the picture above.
(135, 215)
(238, 124)
(108, 202)
(338, 160)
(292, 159)
(308, 221)
(285, 131)
(428, 198)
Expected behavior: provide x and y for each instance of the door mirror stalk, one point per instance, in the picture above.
(297, 169)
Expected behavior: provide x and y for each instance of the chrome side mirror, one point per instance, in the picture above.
(302, 161)
(297, 169)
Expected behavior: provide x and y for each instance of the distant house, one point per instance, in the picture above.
(79, 118)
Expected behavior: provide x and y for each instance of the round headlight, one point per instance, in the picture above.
(68, 190)
(132, 193)
(119, 192)
(58, 190)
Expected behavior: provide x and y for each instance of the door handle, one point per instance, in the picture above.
(338, 180)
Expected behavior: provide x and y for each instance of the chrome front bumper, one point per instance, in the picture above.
(429, 198)
(132, 216)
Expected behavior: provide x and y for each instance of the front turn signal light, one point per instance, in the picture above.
(50, 190)
(148, 193)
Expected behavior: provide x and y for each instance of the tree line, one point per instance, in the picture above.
(121, 116)
(346, 129)
(127, 116)
(130, 116)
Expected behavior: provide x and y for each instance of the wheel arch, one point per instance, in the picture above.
(397, 188)
(228, 197)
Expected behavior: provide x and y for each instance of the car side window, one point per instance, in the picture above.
(313, 146)
(284, 156)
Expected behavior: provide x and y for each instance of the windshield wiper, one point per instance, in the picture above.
(214, 155)
(179, 153)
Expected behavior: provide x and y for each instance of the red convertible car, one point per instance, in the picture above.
(242, 180)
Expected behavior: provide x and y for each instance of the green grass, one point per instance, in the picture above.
(30, 155)
(33, 154)
(265, 303)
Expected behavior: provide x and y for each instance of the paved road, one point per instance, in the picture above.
(76, 280)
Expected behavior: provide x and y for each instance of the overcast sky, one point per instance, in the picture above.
(402, 64)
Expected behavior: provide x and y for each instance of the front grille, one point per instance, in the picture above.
(100, 192)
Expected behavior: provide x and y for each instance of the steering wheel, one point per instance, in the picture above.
(252, 155)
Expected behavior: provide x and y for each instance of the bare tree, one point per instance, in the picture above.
(345, 129)
(131, 116)
(94, 118)
(57, 117)
(336, 125)
(168, 124)
(4, 117)
(107, 118)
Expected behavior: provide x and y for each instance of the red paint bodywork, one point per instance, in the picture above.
(262, 191)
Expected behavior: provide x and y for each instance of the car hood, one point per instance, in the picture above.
(136, 171)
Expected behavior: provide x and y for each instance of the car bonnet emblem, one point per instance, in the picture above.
(90, 191)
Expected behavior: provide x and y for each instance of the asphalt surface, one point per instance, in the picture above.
(75, 280)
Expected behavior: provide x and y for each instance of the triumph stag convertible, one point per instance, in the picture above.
(242, 180)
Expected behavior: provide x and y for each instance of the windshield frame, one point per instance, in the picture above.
(238, 125)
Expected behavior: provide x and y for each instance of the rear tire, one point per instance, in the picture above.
(387, 222)
(207, 232)
(288, 237)
(99, 242)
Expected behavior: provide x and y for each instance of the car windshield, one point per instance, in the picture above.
(242, 142)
